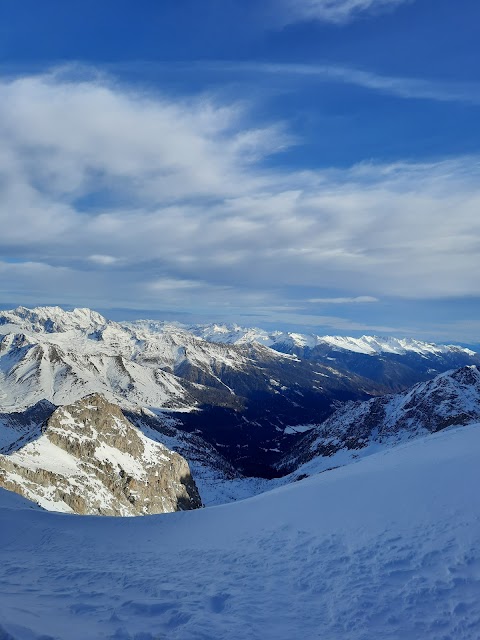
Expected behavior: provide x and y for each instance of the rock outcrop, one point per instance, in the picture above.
(89, 459)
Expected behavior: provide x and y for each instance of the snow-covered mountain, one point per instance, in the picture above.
(48, 353)
(51, 320)
(63, 355)
(238, 397)
(224, 391)
(358, 429)
(386, 549)
(88, 458)
(367, 345)
(390, 364)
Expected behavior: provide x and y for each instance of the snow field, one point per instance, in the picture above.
(386, 548)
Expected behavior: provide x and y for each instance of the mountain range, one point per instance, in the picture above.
(244, 410)
(245, 392)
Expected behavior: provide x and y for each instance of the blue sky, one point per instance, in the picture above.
(311, 164)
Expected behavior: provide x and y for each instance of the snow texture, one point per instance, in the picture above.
(384, 549)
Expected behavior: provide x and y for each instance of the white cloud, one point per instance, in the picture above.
(172, 284)
(178, 190)
(336, 11)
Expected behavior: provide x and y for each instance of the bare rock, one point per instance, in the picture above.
(89, 459)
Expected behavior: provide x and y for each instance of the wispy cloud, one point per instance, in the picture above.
(402, 87)
(103, 260)
(335, 11)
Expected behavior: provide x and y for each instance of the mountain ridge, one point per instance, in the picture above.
(366, 344)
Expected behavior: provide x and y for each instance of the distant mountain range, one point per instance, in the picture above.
(280, 340)
(390, 363)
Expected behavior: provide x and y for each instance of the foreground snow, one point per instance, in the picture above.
(386, 548)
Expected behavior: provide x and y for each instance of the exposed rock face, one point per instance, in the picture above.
(89, 459)
(18, 427)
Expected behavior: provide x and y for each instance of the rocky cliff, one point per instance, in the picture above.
(87, 458)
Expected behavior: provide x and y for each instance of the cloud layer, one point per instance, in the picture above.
(114, 197)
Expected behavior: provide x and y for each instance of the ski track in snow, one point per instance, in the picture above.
(386, 548)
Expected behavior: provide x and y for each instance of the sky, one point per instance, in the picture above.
(297, 164)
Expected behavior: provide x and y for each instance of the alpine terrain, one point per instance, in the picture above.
(248, 394)
(362, 520)
(358, 429)
(87, 458)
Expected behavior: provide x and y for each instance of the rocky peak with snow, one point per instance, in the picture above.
(87, 458)
(52, 319)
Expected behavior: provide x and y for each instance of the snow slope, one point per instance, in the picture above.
(384, 549)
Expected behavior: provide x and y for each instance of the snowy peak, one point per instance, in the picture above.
(373, 345)
(53, 319)
(452, 398)
(467, 376)
(88, 458)
(234, 334)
